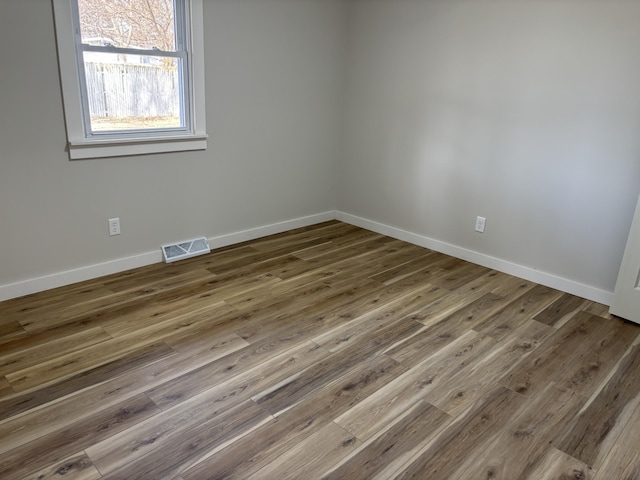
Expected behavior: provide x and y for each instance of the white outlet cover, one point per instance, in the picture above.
(114, 226)
(480, 224)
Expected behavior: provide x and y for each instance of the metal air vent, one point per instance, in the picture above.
(189, 248)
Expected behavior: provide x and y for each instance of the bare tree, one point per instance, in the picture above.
(147, 24)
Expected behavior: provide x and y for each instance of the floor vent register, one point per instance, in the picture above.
(182, 250)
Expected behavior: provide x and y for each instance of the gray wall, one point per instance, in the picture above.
(275, 77)
(526, 112)
(416, 114)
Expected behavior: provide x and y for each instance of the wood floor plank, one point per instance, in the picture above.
(191, 445)
(556, 314)
(10, 329)
(218, 288)
(595, 429)
(598, 309)
(327, 350)
(239, 362)
(28, 357)
(459, 298)
(292, 244)
(362, 250)
(326, 231)
(623, 460)
(93, 356)
(5, 389)
(367, 241)
(68, 365)
(232, 260)
(391, 256)
(153, 277)
(84, 403)
(74, 467)
(205, 289)
(294, 390)
(460, 391)
(421, 261)
(155, 284)
(18, 462)
(425, 342)
(562, 349)
(531, 431)
(45, 332)
(174, 329)
(36, 304)
(442, 332)
(517, 311)
(476, 311)
(556, 465)
(586, 374)
(313, 291)
(345, 334)
(105, 308)
(357, 242)
(382, 407)
(308, 318)
(510, 287)
(460, 276)
(155, 317)
(392, 448)
(17, 344)
(22, 402)
(247, 455)
(343, 304)
(312, 457)
(120, 450)
(439, 459)
(370, 262)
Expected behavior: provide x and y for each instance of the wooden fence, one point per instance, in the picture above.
(122, 90)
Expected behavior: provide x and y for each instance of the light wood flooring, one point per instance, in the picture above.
(326, 352)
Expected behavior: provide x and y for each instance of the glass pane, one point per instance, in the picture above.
(143, 24)
(133, 92)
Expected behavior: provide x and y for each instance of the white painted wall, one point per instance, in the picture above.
(275, 77)
(526, 112)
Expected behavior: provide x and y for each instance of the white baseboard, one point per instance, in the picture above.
(47, 282)
(527, 273)
(252, 234)
(34, 285)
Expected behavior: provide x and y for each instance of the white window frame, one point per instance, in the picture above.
(82, 143)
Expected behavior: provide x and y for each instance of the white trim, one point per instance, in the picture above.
(47, 282)
(252, 234)
(521, 271)
(90, 148)
(34, 285)
(40, 284)
(198, 85)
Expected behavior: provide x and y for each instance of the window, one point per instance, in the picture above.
(132, 76)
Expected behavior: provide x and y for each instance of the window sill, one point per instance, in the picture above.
(99, 148)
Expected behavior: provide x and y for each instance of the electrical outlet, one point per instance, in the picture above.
(480, 222)
(114, 226)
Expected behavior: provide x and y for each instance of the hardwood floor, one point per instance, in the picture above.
(326, 352)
